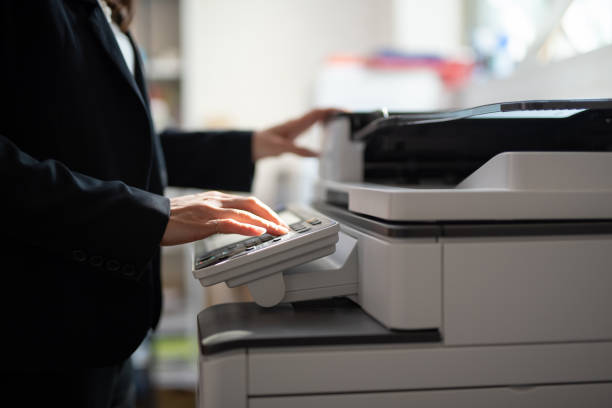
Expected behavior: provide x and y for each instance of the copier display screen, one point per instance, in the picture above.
(217, 241)
(289, 217)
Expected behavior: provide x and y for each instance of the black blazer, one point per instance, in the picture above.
(81, 176)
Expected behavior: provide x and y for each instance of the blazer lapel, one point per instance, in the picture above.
(159, 178)
(139, 70)
(107, 39)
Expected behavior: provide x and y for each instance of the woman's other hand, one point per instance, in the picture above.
(193, 217)
(281, 138)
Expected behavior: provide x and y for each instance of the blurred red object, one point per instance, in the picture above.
(454, 73)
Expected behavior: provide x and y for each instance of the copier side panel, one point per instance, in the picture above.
(222, 380)
(341, 157)
(396, 367)
(400, 280)
(527, 290)
(558, 396)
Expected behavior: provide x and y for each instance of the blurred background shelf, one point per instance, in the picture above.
(156, 29)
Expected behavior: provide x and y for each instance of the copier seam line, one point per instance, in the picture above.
(532, 343)
(443, 310)
(467, 387)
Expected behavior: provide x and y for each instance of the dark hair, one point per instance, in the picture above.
(122, 12)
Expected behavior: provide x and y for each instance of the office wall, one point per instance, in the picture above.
(583, 76)
(432, 26)
(252, 62)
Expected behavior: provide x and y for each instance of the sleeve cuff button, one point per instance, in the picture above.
(128, 271)
(79, 255)
(112, 265)
(96, 261)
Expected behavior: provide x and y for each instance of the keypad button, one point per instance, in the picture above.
(238, 250)
(266, 238)
(303, 230)
(276, 239)
(129, 271)
(112, 265)
(252, 242)
(206, 261)
(297, 226)
(79, 255)
(313, 221)
(96, 261)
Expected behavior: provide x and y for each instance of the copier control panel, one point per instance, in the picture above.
(238, 260)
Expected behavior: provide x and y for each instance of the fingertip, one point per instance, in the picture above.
(303, 152)
(252, 232)
(259, 230)
(279, 221)
(326, 112)
(231, 226)
(276, 229)
(276, 218)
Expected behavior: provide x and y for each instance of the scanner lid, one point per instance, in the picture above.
(443, 148)
(530, 109)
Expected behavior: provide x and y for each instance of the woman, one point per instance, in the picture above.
(82, 173)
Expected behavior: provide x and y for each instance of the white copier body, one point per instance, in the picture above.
(512, 265)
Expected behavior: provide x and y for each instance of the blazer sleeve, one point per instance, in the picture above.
(72, 215)
(209, 160)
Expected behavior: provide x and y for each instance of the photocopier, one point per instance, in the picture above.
(472, 268)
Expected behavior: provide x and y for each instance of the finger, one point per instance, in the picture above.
(257, 207)
(295, 127)
(300, 151)
(326, 113)
(250, 218)
(230, 226)
(214, 194)
(299, 125)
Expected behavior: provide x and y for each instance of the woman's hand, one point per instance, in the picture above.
(193, 217)
(281, 138)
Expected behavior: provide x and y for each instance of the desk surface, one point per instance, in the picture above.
(328, 322)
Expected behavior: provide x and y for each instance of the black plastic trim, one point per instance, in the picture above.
(336, 321)
(397, 229)
(386, 228)
(395, 118)
(337, 198)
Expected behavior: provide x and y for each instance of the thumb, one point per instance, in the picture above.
(300, 151)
